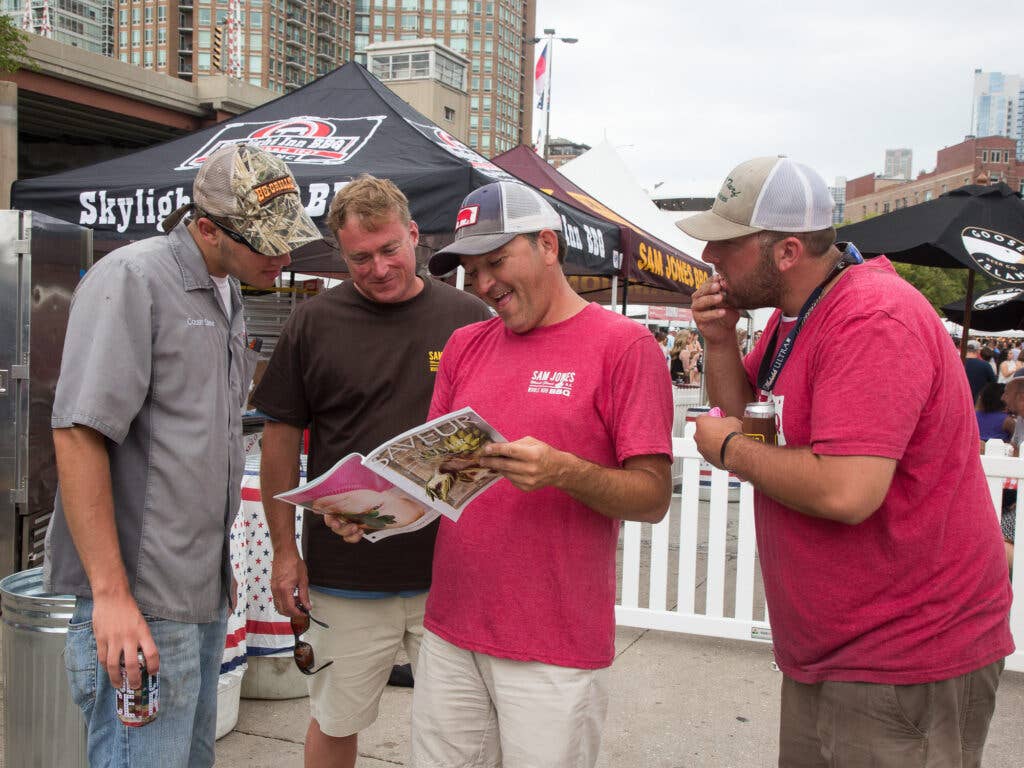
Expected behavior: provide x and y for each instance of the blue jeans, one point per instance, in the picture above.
(184, 731)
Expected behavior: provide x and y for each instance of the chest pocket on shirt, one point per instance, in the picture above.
(243, 366)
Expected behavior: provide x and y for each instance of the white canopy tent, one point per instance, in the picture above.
(602, 173)
(957, 330)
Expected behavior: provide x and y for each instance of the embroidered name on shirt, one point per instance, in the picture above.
(201, 321)
(433, 360)
(552, 382)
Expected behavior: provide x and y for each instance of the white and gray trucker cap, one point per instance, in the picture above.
(766, 193)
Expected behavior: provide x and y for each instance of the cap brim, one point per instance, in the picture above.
(284, 227)
(175, 216)
(447, 259)
(709, 226)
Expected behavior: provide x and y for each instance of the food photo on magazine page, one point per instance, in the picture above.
(405, 483)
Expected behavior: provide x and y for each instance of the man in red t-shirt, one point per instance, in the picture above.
(880, 549)
(520, 619)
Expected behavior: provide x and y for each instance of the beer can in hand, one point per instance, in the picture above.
(759, 422)
(137, 707)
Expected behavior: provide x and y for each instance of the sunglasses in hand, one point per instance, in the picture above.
(304, 651)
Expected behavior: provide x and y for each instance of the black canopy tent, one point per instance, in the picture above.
(329, 131)
(999, 309)
(979, 227)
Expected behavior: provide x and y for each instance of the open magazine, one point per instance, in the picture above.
(405, 483)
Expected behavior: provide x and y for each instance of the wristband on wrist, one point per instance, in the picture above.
(725, 442)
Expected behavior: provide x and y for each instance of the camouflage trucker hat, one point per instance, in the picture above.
(254, 194)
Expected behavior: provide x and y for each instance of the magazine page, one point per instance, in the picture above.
(363, 497)
(437, 462)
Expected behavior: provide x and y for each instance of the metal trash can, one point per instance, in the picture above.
(42, 725)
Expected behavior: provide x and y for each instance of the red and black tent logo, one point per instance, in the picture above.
(296, 140)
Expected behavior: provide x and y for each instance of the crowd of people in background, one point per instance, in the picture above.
(996, 376)
(685, 352)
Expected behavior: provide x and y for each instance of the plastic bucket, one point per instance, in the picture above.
(42, 725)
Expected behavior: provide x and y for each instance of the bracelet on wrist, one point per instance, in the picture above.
(725, 443)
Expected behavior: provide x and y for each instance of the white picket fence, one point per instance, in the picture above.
(668, 591)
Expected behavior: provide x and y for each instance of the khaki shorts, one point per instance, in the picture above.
(363, 640)
(931, 725)
(471, 710)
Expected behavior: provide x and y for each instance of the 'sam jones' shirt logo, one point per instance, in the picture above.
(998, 255)
(552, 383)
(302, 140)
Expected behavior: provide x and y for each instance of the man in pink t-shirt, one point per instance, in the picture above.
(520, 618)
(881, 552)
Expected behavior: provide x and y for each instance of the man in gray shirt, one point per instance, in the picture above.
(147, 431)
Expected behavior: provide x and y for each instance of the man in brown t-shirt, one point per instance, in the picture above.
(357, 366)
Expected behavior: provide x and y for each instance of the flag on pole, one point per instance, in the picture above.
(27, 20)
(540, 77)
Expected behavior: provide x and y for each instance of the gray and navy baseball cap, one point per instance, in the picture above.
(492, 216)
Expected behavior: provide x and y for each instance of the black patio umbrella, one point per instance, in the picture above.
(1000, 309)
(978, 227)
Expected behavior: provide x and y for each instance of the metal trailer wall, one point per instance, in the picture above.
(41, 262)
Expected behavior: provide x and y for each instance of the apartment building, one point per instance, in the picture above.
(990, 159)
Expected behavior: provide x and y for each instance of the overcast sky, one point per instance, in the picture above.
(687, 89)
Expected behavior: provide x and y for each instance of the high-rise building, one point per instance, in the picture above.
(997, 109)
(492, 34)
(85, 24)
(283, 44)
(275, 44)
(898, 163)
(838, 192)
(975, 160)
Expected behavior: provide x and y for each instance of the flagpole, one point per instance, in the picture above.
(547, 100)
(549, 35)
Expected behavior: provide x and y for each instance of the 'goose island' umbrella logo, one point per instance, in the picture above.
(996, 254)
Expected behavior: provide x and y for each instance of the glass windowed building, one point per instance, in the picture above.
(85, 24)
(283, 44)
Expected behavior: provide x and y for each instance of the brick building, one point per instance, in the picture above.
(991, 157)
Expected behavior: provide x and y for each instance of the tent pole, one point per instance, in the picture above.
(625, 296)
(967, 314)
(615, 292)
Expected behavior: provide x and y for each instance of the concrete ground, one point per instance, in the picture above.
(677, 701)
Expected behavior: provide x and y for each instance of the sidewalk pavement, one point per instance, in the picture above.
(677, 701)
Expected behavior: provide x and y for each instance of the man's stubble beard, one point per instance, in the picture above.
(761, 289)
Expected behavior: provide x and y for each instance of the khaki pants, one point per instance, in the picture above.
(471, 710)
(850, 725)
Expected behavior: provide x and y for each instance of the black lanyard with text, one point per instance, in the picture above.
(769, 370)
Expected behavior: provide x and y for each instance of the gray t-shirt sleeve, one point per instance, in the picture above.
(105, 369)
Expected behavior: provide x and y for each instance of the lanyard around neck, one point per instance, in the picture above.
(769, 370)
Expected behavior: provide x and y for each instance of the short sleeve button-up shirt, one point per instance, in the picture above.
(152, 362)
